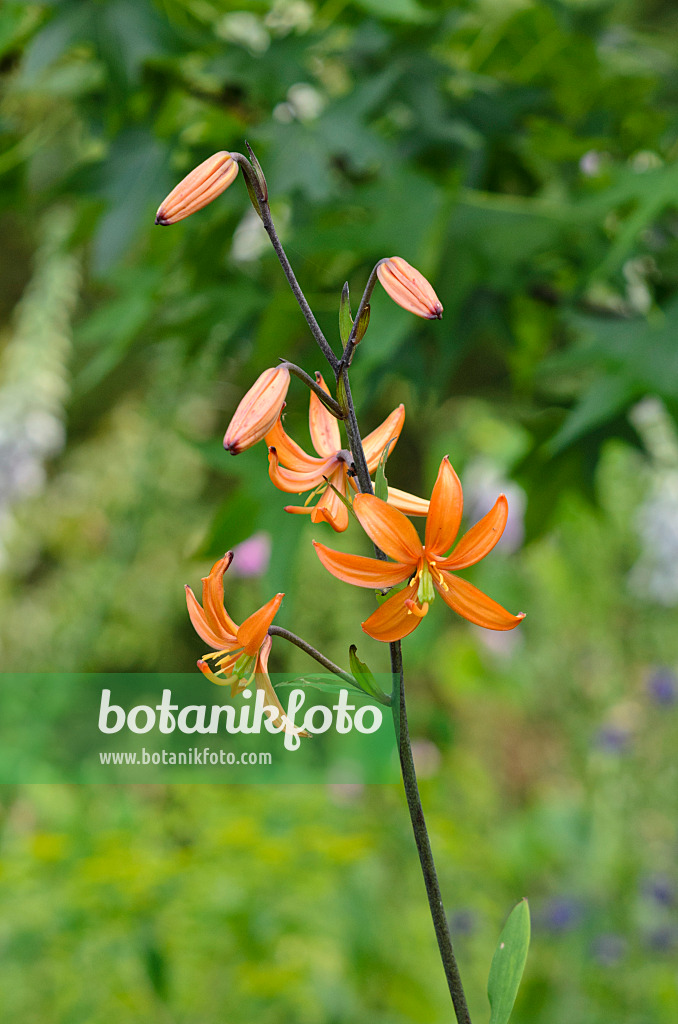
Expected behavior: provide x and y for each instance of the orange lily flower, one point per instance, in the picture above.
(424, 565)
(241, 652)
(409, 288)
(294, 472)
(204, 183)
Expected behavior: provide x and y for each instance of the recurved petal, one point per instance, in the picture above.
(204, 183)
(480, 539)
(374, 443)
(213, 599)
(294, 481)
(330, 508)
(388, 528)
(392, 620)
(361, 571)
(252, 633)
(410, 504)
(258, 410)
(289, 452)
(300, 510)
(409, 288)
(263, 682)
(202, 627)
(472, 604)
(322, 424)
(444, 516)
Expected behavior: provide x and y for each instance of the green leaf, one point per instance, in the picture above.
(321, 684)
(345, 318)
(363, 324)
(380, 481)
(508, 963)
(364, 677)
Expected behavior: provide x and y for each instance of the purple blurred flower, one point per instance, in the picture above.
(609, 949)
(462, 922)
(251, 558)
(613, 739)
(662, 688)
(663, 939)
(561, 914)
(661, 889)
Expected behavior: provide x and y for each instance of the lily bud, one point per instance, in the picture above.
(205, 182)
(258, 411)
(409, 288)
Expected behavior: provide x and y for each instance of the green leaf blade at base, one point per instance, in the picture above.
(508, 964)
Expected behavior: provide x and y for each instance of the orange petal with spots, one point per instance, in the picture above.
(444, 516)
(322, 424)
(213, 599)
(469, 602)
(410, 504)
(388, 528)
(253, 631)
(200, 624)
(389, 430)
(294, 481)
(480, 539)
(361, 571)
(330, 508)
(289, 452)
(392, 620)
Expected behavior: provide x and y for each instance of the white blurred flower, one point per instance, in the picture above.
(483, 481)
(288, 16)
(245, 29)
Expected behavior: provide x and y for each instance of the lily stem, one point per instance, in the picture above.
(421, 838)
(322, 341)
(330, 404)
(285, 634)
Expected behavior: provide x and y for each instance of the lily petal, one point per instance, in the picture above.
(392, 620)
(289, 452)
(374, 443)
(200, 624)
(263, 682)
(388, 528)
(480, 539)
(300, 510)
(361, 571)
(331, 508)
(253, 631)
(294, 481)
(444, 517)
(469, 602)
(322, 424)
(410, 504)
(213, 600)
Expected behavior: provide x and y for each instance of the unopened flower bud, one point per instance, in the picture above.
(258, 411)
(207, 181)
(409, 288)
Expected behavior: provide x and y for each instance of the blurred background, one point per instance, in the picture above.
(522, 155)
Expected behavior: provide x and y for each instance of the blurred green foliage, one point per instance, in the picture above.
(522, 156)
